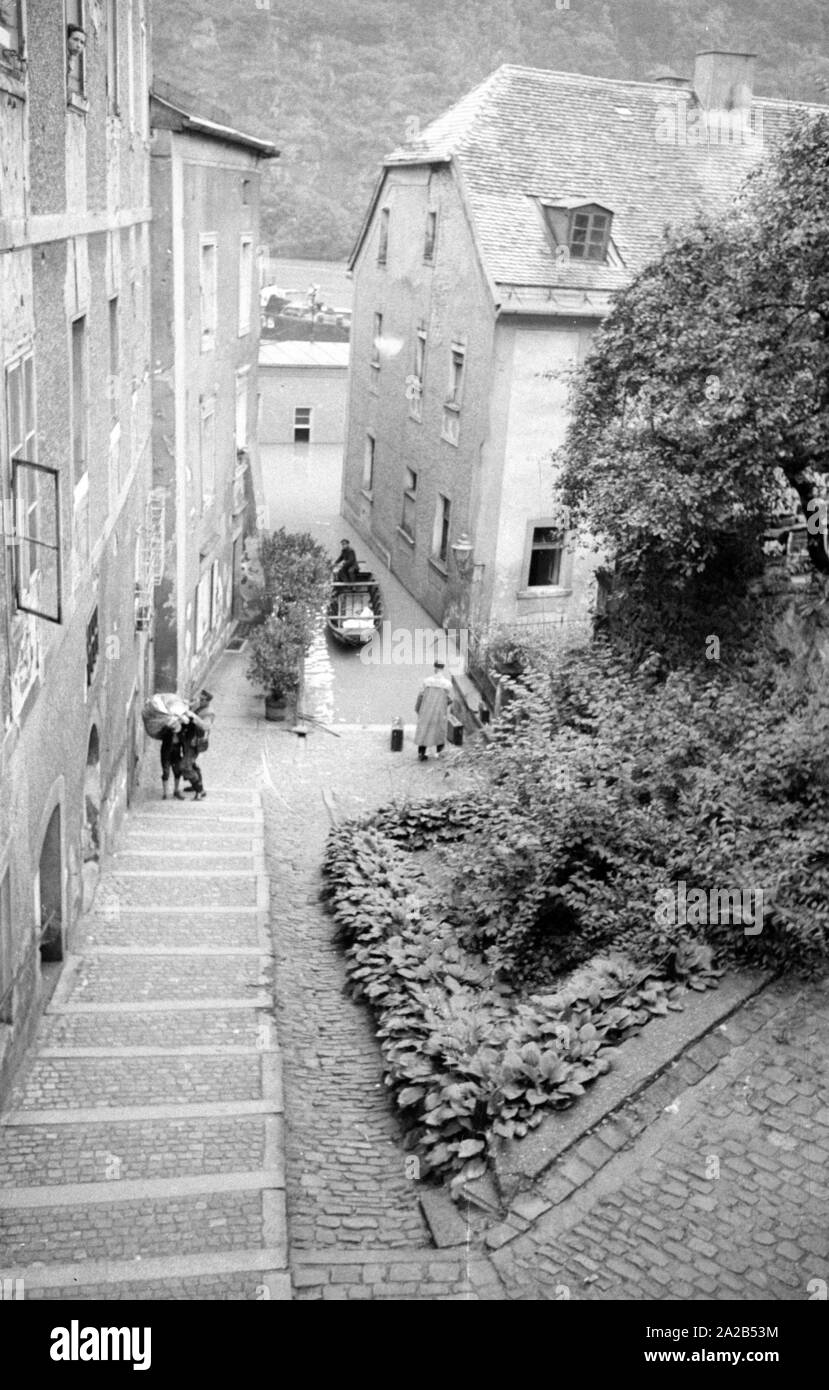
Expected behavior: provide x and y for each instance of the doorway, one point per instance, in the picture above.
(48, 892)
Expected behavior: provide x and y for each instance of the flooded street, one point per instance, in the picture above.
(344, 685)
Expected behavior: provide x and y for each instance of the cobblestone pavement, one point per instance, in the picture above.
(710, 1184)
(713, 1184)
(142, 1151)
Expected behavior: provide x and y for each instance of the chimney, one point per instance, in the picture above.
(724, 81)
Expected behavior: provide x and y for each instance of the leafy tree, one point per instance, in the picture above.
(704, 404)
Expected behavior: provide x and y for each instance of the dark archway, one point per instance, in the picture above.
(49, 894)
(92, 800)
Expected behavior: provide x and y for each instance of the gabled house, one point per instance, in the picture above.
(493, 247)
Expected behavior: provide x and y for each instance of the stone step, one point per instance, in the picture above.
(241, 1274)
(242, 1027)
(75, 1082)
(182, 861)
(186, 1222)
(197, 931)
(185, 815)
(159, 890)
(117, 979)
(233, 796)
(143, 838)
(128, 1150)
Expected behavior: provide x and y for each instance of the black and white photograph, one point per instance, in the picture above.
(414, 666)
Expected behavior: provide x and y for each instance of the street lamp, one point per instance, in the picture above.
(463, 549)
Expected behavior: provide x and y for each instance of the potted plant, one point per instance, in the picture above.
(287, 576)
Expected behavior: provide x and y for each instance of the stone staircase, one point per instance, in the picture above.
(142, 1153)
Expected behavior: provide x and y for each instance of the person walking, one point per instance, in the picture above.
(432, 709)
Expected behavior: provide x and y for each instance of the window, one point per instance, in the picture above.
(407, 524)
(35, 501)
(368, 463)
(143, 71)
(456, 367)
(207, 292)
(589, 235)
(114, 359)
(207, 451)
(6, 948)
(431, 232)
(113, 108)
(75, 50)
(203, 616)
(545, 558)
(80, 403)
(383, 244)
(302, 424)
(241, 410)
(245, 283)
(375, 341)
(414, 385)
(11, 27)
(440, 535)
(92, 647)
(20, 414)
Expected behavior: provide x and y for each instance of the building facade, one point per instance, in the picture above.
(492, 249)
(303, 390)
(75, 467)
(205, 329)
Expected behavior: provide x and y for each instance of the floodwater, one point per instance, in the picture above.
(344, 685)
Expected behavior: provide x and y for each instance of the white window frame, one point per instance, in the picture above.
(564, 576)
(430, 236)
(302, 424)
(369, 457)
(457, 375)
(245, 283)
(207, 451)
(23, 447)
(383, 239)
(409, 514)
(443, 520)
(6, 946)
(113, 89)
(208, 290)
(74, 12)
(241, 411)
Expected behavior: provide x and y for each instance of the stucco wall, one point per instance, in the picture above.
(201, 187)
(324, 389)
(534, 360)
(81, 176)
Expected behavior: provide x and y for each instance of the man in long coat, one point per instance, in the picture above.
(432, 708)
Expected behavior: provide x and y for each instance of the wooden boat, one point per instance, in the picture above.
(355, 609)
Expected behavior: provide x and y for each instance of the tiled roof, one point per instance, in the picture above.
(173, 107)
(526, 134)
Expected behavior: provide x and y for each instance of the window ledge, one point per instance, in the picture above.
(369, 496)
(77, 103)
(407, 538)
(545, 591)
(442, 569)
(453, 406)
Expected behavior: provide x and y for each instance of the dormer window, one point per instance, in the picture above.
(581, 231)
(589, 234)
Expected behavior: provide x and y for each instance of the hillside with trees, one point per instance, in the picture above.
(336, 83)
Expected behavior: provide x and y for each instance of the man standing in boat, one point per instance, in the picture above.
(432, 709)
(346, 568)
